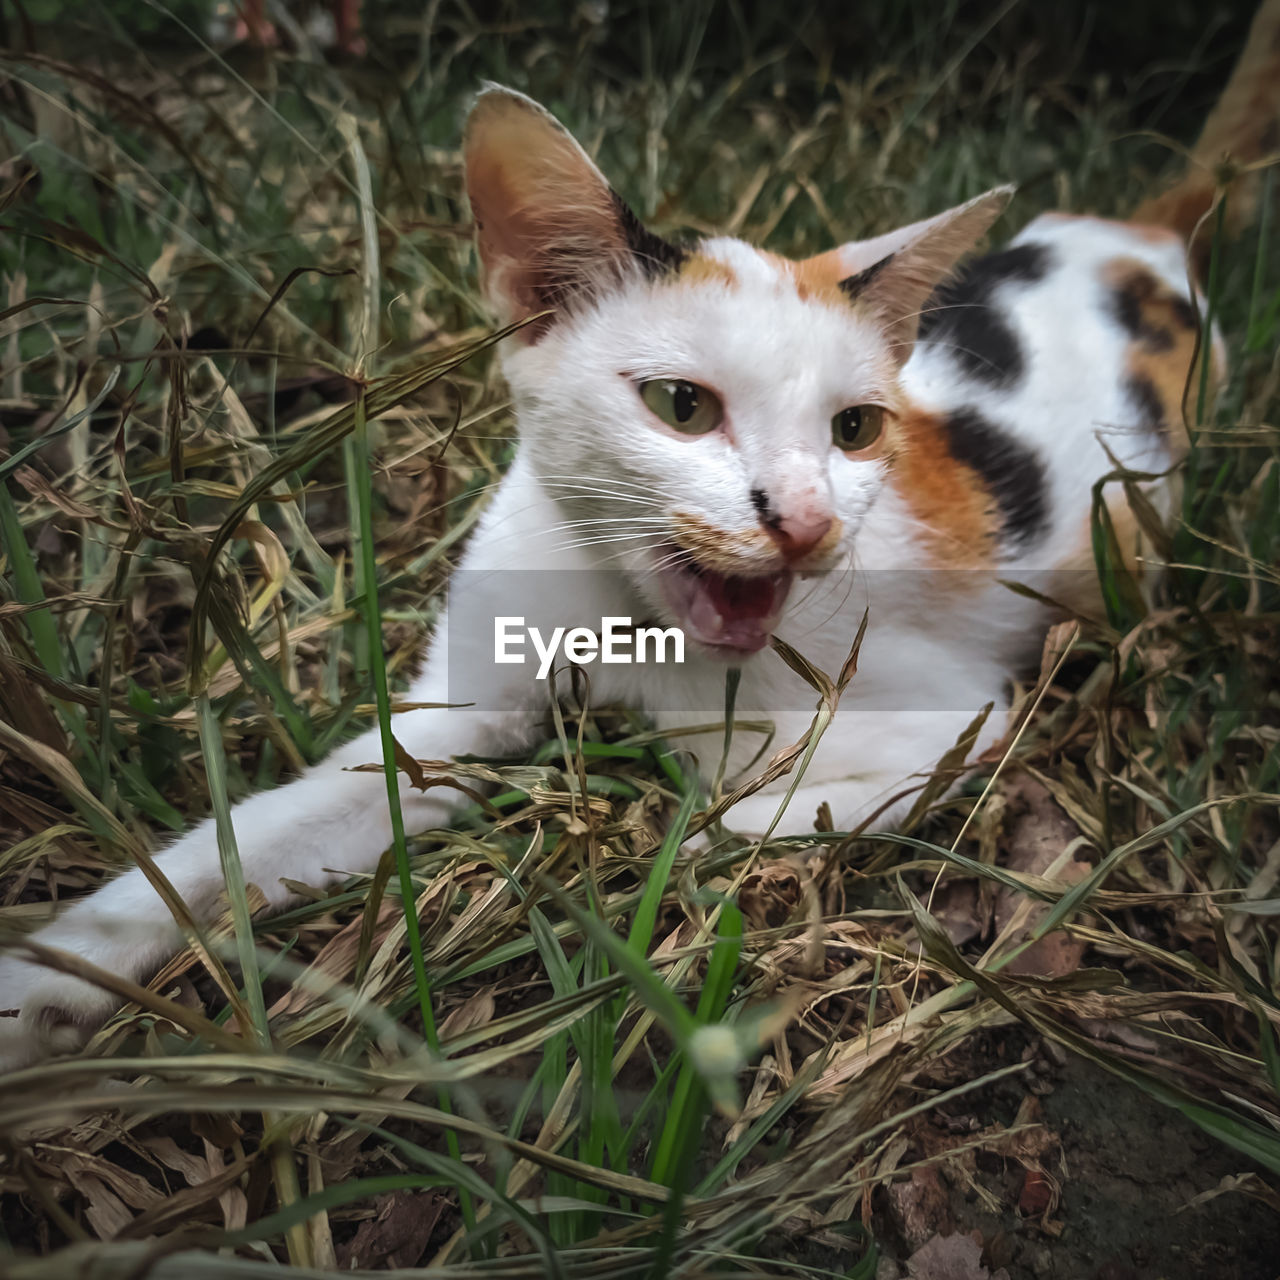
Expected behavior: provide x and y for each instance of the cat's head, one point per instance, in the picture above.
(712, 419)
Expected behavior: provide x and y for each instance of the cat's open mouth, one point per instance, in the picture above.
(731, 614)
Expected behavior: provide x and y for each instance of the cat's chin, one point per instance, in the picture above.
(728, 615)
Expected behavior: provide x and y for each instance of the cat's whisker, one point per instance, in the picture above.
(587, 500)
(850, 578)
(569, 488)
(469, 495)
(610, 559)
(609, 479)
(582, 491)
(939, 308)
(610, 483)
(593, 523)
(646, 488)
(674, 558)
(963, 350)
(589, 522)
(648, 526)
(605, 541)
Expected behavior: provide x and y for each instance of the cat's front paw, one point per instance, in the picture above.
(44, 1013)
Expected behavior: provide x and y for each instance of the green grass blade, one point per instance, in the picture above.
(657, 883)
(237, 897)
(382, 694)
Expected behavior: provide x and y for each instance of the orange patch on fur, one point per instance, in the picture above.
(1245, 126)
(948, 497)
(699, 269)
(719, 549)
(816, 279)
(1161, 353)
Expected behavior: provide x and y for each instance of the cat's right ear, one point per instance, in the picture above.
(549, 227)
(892, 276)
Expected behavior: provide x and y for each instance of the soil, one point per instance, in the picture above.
(1132, 1169)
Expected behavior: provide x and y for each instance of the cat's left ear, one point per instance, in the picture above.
(550, 228)
(893, 275)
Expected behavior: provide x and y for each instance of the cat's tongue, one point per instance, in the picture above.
(734, 613)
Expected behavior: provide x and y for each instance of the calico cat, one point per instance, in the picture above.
(742, 446)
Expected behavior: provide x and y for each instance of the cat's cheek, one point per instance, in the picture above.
(857, 488)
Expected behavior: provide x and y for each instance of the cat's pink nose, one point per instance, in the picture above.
(797, 535)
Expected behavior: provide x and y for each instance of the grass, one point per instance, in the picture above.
(251, 412)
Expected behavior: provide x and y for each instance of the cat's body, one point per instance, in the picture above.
(1080, 332)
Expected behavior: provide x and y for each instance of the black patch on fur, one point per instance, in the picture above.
(1144, 397)
(1127, 302)
(1126, 306)
(655, 255)
(963, 316)
(855, 284)
(1184, 312)
(1014, 475)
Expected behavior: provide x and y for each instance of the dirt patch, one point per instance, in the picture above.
(1128, 1171)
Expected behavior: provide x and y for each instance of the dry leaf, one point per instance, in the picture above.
(475, 1012)
(110, 1192)
(397, 1236)
(954, 1257)
(1037, 832)
(920, 1206)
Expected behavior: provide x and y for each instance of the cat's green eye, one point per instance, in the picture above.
(684, 406)
(857, 427)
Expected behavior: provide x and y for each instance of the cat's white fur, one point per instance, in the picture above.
(934, 653)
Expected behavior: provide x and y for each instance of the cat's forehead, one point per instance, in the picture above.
(757, 270)
(743, 263)
(760, 329)
(757, 327)
(753, 316)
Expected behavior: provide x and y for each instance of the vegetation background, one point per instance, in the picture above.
(247, 383)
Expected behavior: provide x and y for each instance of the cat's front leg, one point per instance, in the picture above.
(875, 765)
(330, 822)
(853, 801)
(323, 823)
